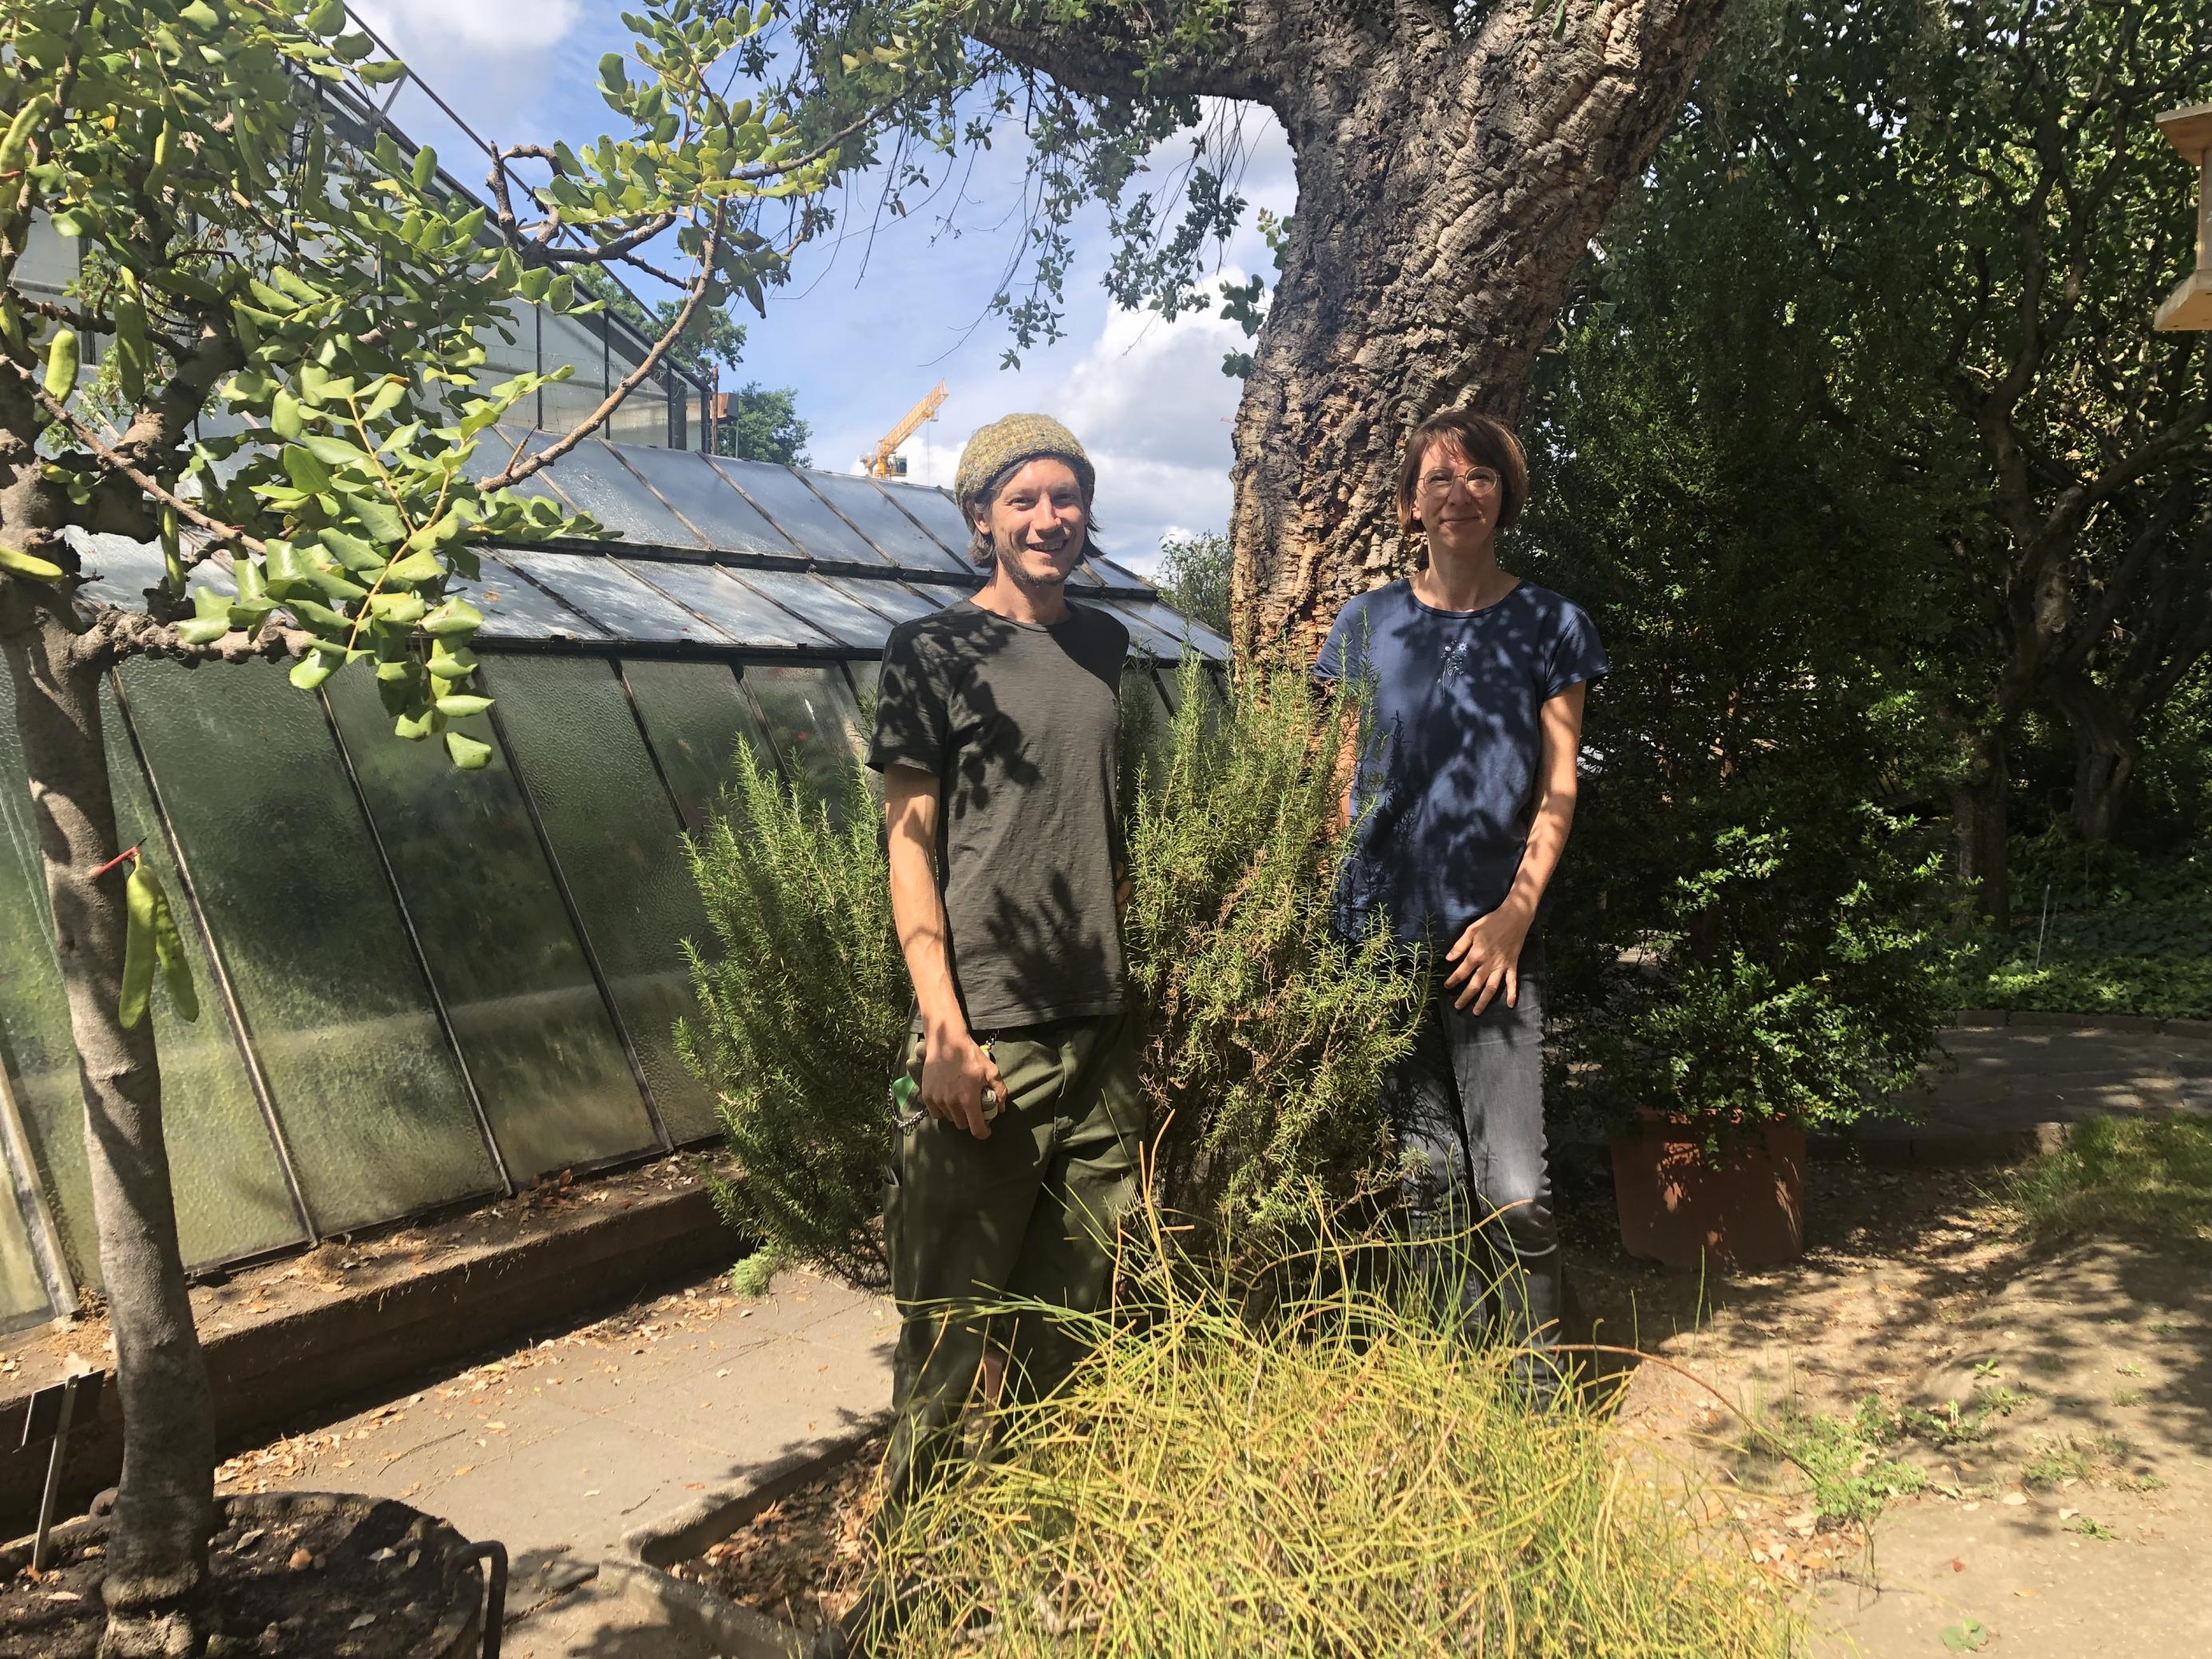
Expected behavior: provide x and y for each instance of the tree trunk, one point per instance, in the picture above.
(165, 1506)
(1446, 189)
(1978, 818)
(2103, 725)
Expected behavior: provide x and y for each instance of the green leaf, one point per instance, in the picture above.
(416, 568)
(204, 630)
(455, 615)
(284, 419)
(1967, 1636)
(305, 471)
(453, 665)
(309, 673)
(466, 753)
(460, 706)
(397, 609)
(415, 727)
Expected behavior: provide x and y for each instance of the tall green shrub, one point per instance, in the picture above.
(1268, 1040)
(802, 1012)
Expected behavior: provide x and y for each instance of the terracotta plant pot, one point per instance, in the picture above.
(1740, 1206)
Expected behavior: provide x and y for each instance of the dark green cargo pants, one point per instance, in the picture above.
(1028, 1214)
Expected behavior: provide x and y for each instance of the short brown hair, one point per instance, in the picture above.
(1484, 441)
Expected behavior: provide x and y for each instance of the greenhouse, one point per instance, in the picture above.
(421, 986)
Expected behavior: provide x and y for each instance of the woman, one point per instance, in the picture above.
(1460, 801)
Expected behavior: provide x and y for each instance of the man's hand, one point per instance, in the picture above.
(956, 1076)
(1486, 956)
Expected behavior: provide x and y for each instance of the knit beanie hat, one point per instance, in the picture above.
(1007, 443)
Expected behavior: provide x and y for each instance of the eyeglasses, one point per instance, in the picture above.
(1478, 480)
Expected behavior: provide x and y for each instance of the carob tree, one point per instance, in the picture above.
(239, 259)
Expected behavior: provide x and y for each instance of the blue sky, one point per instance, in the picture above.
(870, 322)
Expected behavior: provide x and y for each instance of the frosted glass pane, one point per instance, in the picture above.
(540, 1045)
(367, 1090)
(1144, 638)
(499, 448)
(125, 569)
(730, 605)
(696, 716)
(894, 599)
(938, 513)
(594, 482)
(23, 1292)
(642, 416)
(895, 536)
(797, 511)
(690, 484)
(1117, 575)
(618, 838)
(1177, 626)
(844, 618)
(866, 677)
(230, 1195)
(812, 716)
(514, 609)
(611, 597)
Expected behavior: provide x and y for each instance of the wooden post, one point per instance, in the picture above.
(2190, 306)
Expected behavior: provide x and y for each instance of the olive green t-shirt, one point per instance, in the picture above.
(1019, 723)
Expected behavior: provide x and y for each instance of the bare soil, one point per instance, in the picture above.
(324, 1583)
(802, 1560)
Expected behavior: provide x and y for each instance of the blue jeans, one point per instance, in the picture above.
(1469, 1109)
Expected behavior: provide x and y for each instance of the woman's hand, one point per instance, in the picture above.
(1486, 956)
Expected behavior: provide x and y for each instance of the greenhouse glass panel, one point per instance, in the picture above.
(611, 597)
(23, 1299)
(594, 482)
(517, 609)
(642, 416)
(126, 569)
(1118, 575)
(1143, 636)
(230, 1193)
(796, 510)
(692, 486)
(895, 599)
(938, 515)
(895, 536)
(541, 1048)
(696, 716)
(845, 619)
(866, 676)
(1177, 626)
(729, 603)
(367, 1090)
(571, 340)
(810, 713)
(617, 838)
(499, 447)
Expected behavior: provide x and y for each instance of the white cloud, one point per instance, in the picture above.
(436, 30)
(504, 64)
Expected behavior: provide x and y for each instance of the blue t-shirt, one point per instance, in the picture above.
(1446, 775)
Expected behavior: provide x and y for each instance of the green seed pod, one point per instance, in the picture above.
(139, 897)
(16, 144)
(61, 365)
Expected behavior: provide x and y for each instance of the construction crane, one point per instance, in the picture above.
(884, 461)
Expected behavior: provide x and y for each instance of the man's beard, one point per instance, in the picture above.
(1011, 557)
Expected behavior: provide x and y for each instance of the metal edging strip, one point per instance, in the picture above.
(575, 915)
(241, 1029)
(415, 943)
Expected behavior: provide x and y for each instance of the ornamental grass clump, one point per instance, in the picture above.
(1344, 1479)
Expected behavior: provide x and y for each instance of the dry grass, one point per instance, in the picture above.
(1346, 1481)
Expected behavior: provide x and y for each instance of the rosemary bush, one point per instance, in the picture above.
(1267, 1038)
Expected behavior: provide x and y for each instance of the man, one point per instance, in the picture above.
(996, 732)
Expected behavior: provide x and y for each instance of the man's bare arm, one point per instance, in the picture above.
(955, 1072)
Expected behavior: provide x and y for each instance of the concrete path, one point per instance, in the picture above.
(558, 1449)
(2013, 1078)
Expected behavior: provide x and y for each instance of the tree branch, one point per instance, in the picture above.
(1098, 61)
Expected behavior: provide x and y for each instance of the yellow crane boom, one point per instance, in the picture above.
(879, 462)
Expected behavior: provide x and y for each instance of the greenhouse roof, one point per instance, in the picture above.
(709, 554)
